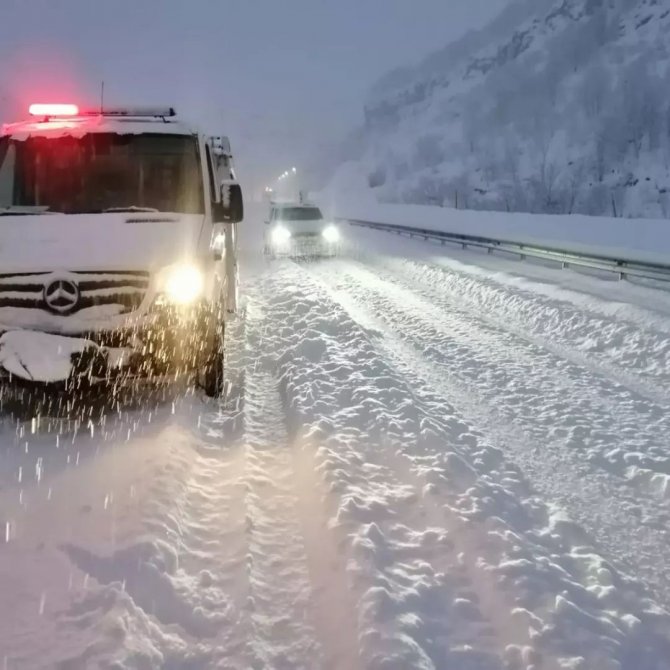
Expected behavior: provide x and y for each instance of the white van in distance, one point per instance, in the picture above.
(117, 247)
(298, 229)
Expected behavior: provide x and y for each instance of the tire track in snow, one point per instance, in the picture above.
(534, 560)
(637, 423)
(451, 352)
(301, 615)
(130, 526)
(282, 634)
(418, 603)
(212, 571)
(334, 603)
(618, 332)
(406, 583)
(185, 574)
(503, 339)
(634, 353)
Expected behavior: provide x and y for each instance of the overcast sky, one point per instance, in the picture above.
(274, 74)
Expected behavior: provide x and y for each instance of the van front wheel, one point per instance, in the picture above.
(210, 375)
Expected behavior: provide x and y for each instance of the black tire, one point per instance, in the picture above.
(211, 372)
(212, 375)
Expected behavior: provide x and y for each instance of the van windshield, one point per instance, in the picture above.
(299, 214)
(101, 172)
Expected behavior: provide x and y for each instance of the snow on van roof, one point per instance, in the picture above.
(82, 125)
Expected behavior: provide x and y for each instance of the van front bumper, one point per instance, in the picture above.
(169, 345)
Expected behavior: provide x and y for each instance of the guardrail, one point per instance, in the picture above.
(566, 258)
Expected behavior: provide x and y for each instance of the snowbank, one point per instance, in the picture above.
(634, 239)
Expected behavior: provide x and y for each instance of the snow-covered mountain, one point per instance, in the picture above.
(556, 106)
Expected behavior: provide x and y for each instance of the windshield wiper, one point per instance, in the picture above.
(20, 210)
(130, 208)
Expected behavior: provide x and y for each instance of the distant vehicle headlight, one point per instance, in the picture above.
(331, 234)
(183, 284)
(281, 235)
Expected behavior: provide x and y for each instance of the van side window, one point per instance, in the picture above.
(7, 170)
(214, 196)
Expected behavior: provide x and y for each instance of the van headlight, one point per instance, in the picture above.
(281, 235)
(183, 284)
(331, 234)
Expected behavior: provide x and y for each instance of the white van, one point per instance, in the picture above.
(117, 247)
(298, 229)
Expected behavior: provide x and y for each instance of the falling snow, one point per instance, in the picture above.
(423, 460)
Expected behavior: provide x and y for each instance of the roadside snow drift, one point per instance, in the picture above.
(646, 240)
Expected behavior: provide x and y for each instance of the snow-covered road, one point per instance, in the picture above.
(423, 461)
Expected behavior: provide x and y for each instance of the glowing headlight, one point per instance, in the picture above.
(331, 234)
(281, 235)
(184, 284)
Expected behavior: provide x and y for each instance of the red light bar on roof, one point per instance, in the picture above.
(40, 109)
(157, 112)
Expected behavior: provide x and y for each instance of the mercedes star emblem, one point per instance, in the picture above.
(61, 296)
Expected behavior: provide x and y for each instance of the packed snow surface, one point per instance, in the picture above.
(422, 461)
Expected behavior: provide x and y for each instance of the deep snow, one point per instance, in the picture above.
(425, 459)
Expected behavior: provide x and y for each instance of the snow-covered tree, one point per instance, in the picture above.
(559, 106)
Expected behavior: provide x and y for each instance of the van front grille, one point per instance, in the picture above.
(123, 289)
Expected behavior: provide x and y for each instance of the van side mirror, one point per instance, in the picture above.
(231, 207)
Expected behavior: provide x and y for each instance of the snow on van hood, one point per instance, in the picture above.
(121, 241)
(45, 357)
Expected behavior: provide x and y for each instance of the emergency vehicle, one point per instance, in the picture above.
(118, 249)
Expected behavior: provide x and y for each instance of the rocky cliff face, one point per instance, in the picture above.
(556, 106)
